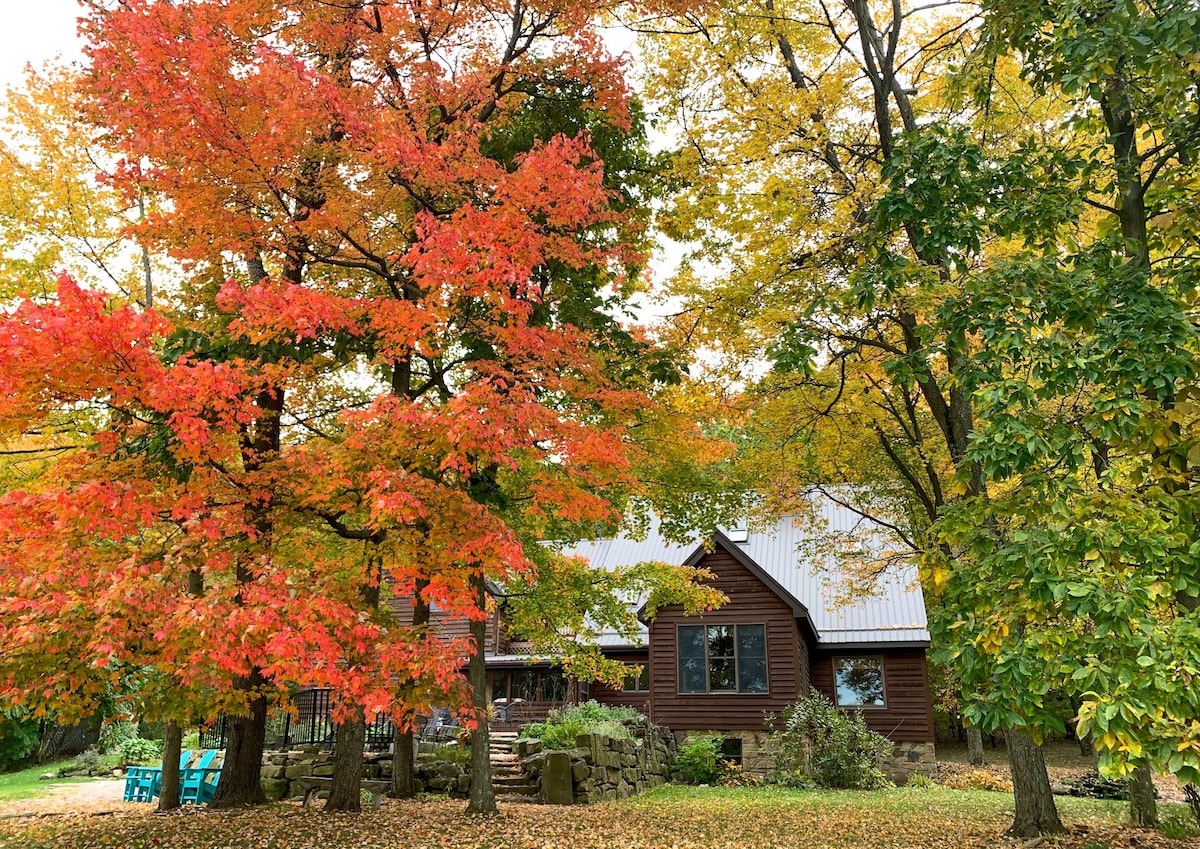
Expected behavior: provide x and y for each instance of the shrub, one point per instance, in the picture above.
(86, 761)
(562, 726)
(833, 748)
(18, 738)
(794, 779)
(135, 750)
(698, 760)
(978, 779)
(114, 734)
(919, 779)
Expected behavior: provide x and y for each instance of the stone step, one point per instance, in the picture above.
(514, 778)
(519, 800)
(518, 790)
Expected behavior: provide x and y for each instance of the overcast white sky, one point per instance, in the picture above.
(34, 31)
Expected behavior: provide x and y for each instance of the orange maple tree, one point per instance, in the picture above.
(392, 364)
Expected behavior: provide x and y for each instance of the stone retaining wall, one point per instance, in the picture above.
(280, 769)
(600, 768)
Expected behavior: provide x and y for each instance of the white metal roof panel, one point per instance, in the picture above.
(892, 611)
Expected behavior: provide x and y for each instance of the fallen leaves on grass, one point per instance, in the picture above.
(679, 818)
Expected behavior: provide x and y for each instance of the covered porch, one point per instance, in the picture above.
(522, 692)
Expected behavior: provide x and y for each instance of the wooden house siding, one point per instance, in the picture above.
(449, 627)
(907, 715)
(750, 603)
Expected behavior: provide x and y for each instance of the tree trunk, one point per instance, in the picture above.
(1035, 812)
(346, 792)
(1192, 794)
(241, 775)
(483, 796)
(404, 765)
(168, 792)
(1087, 747)
(404, 785)
(974, 746)
(1143, 809)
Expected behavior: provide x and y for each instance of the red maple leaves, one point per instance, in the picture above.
(366, 379)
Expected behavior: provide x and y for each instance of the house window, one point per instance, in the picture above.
(637, 681)
(859, 681)
(722, 658)
(554, 685)
(524, 685)
(731, 750)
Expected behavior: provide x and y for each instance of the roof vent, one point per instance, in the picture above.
(739, 532)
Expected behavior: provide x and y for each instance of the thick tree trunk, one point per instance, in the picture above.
(1035, 812)
(404, 767)
(346, 792)
(483, 796)
(1143, 809)
(241, 775)
(974, 746)
(168, 793)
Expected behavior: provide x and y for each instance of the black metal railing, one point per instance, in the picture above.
(311, 725)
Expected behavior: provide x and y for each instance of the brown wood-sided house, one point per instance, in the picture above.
(788, 628)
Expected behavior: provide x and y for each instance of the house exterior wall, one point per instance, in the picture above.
(750, 603)
(450, 627)
(907, 716)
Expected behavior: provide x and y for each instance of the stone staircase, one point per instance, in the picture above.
(510, 783)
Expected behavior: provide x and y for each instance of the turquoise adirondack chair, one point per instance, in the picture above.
(193, 780)
(208, 784)
(142, 783)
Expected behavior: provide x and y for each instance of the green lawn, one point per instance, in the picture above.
(25, 784)
(678, 817)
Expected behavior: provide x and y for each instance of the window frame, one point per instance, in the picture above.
(878, 658)
(636, 676)
(737, 663)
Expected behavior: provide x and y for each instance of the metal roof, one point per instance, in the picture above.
(891, 611)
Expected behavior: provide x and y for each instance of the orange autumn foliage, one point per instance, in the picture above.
(392, 393)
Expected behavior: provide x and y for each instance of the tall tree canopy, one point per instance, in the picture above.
(394, 362)
(964, 237)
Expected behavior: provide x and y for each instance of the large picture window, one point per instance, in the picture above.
(722, 658)
(859, 681)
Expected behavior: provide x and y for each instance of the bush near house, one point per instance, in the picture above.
(562, 726)
(828, 747)
(698, 760)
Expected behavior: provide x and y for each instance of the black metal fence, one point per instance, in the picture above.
(312, 725)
